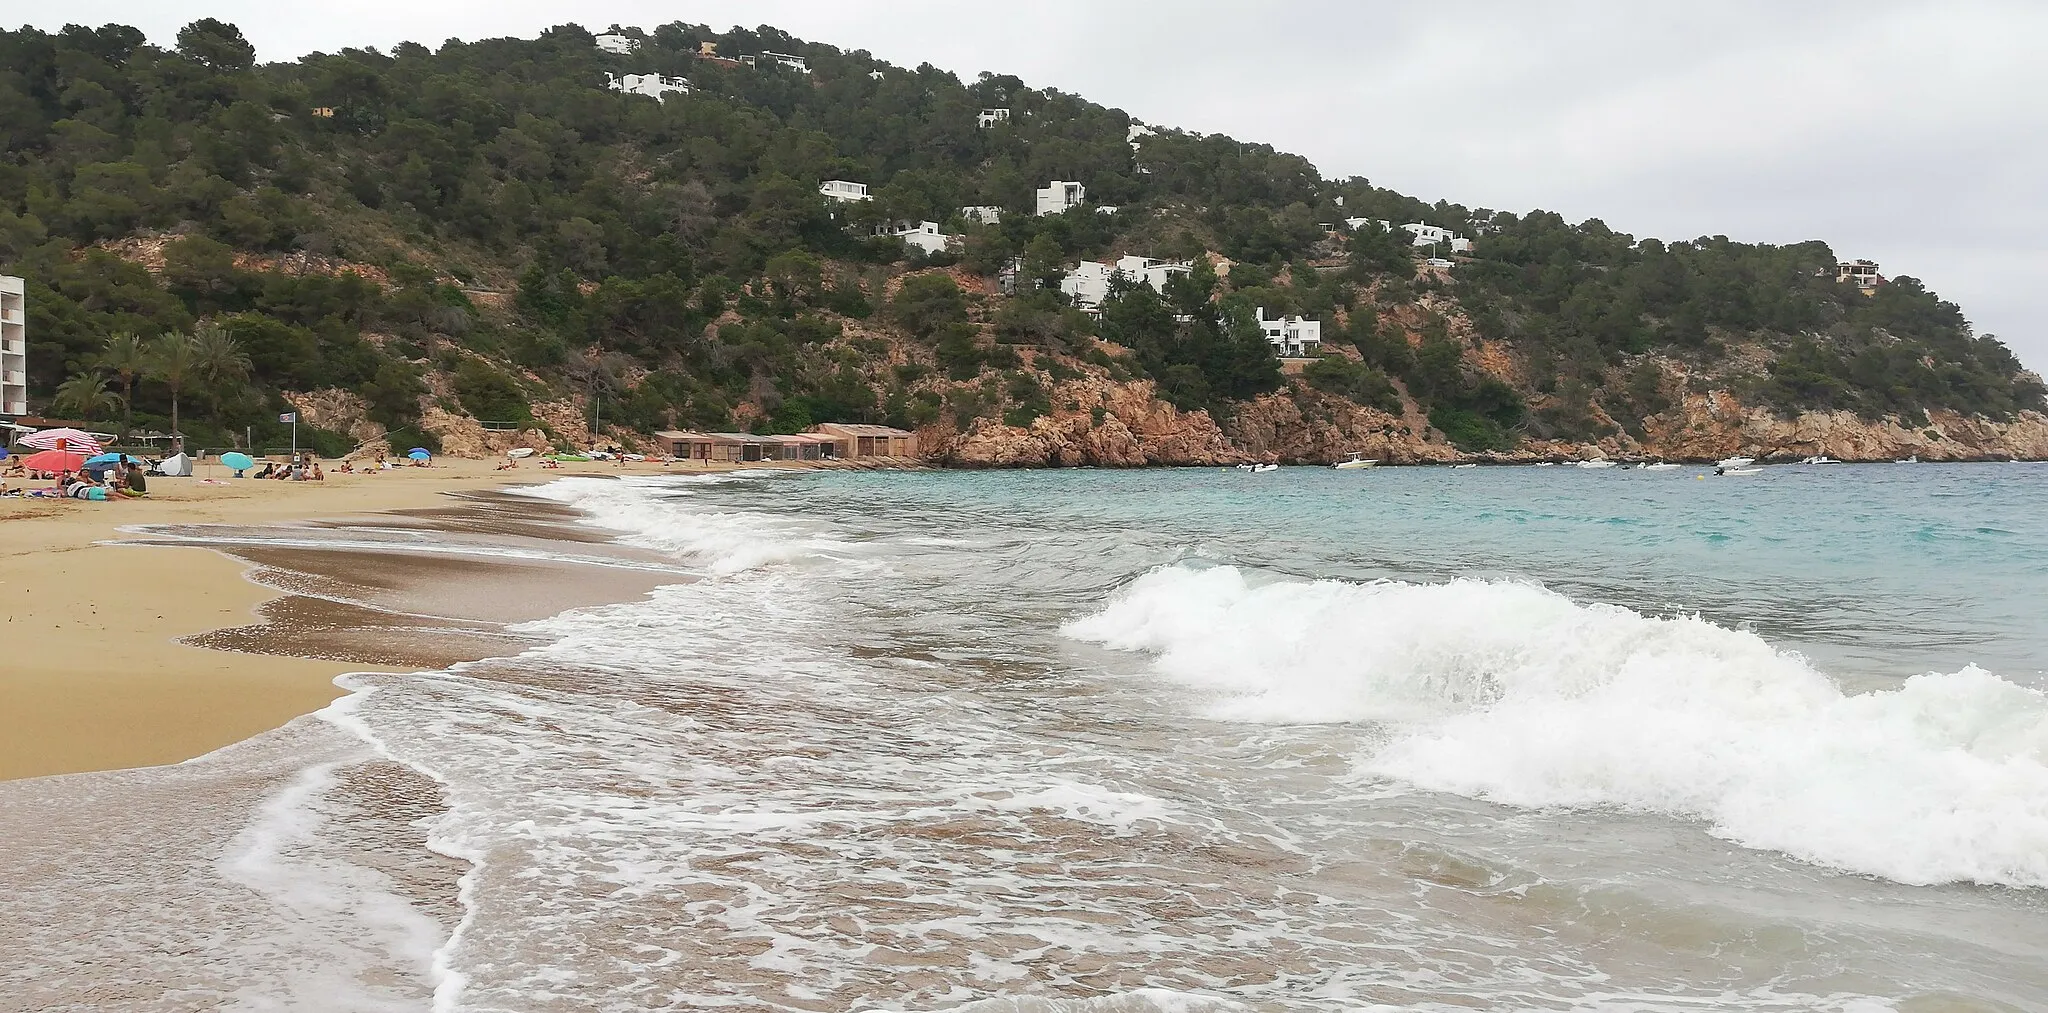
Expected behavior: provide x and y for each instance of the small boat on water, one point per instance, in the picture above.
(1660, 466)
(1738, 471)
(1735, 462)
(1356, 461)
(1599, 462)
(1455, 467)
(1263, 468)
(1546, 464)
(1820, 459)
(1911, 459)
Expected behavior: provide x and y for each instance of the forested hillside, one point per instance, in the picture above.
(486, 232)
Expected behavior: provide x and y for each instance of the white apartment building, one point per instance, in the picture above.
(655, 86)
(985, 214)
(926, 236)
(1088, 283)
(13, 347)
(843, 190)
(618, 45)
(1292, 337)
(990, 117)
(1057, 196)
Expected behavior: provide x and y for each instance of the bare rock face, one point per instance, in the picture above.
(339, 411)
(1304, 426)
(1095, 423)
(1714, 425)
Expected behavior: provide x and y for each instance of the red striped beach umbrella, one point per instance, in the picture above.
(75, 441)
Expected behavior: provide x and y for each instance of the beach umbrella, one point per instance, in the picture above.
(76, 441)
(53, 460)
(419, 455)
(104, 459)
(237, 460)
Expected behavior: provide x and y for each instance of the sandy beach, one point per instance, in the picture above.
(94, 673)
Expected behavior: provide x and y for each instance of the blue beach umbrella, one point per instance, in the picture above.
(103, 459)
(240, 462)
(417, 450)
(418, 454)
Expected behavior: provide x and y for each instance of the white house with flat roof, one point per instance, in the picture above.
(1430, 235)
(1861, 273)
(618, 45)
(1292, 337)
(843, 190)
(1354, 224)
(13, 346)
(1088, 283)
(1059, 195)
(656, 86)
(926, 236)
(990, 117)
(795, 63)
(985, 214)
(1136, 132)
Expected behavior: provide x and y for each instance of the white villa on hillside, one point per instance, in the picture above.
(1861, 273)
(1430, 235)
(618, 45)
(13, 347)
(843, 190)
(1137, 131)
(1057, 196)
(985, 214)
(658, 86)
(795, 63)
(1088, 283)
(1292, 337)
(1354, 224)
(926, 236)
(991, 117)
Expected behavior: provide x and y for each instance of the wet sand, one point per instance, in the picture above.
(107, 655)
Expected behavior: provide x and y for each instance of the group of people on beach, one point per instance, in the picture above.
(301, 468)
(124, 479)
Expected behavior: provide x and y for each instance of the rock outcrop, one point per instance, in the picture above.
(1096, 422)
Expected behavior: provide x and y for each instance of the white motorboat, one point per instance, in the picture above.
(1820, 459)
(1263, 468)
(1660, 466)
(1546, 464)
(1455, 467)
(1597, 463)
(1912, 459)
(1735, 462)
(1738, 471)
(1356, 461)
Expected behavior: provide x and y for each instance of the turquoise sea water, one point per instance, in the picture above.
(1178, 742)
(1876, 570)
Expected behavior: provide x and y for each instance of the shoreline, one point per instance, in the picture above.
(120, 652)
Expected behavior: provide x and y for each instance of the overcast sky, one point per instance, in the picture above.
(1914, 134)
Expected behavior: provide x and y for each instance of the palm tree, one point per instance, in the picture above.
(218, 359)
(85, 395)
(128, 357)
(174, 359)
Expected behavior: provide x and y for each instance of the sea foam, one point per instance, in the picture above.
(1513, 693)
(724, 542)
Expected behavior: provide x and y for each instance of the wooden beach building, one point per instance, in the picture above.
(825, 442)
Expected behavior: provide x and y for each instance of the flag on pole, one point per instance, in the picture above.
(288, 417)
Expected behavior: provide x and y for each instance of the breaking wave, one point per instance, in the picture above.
(1515, 694)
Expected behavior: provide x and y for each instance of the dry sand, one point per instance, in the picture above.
(93, 675)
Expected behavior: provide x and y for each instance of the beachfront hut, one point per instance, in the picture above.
(856, 440)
